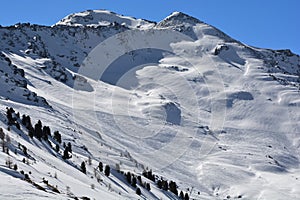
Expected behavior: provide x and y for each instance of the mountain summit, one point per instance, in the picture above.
(179, 18)
(94, 18)
(105, 106)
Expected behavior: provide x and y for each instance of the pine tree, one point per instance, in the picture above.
(90, 160)
(148, 186)
(66, 154)
(23, 120)
(165, 185)
(145, 174)
(173, 187)
(69, 147)
(46, 132)
(24, 148)
(38, 130)
(83, 168)
(152, 177)
(186, 196)
(57, 148)
(57, 136)
(28, 123)
(26, 177)
(18, 125)
(138, 191)
(128, 177)
(139, 178)
(8, 141)
(107, 170)
(9, 112)
(30, 131)
(133, 182)
(100, 166)
(181, 195)
(2, 137)
(159, 184)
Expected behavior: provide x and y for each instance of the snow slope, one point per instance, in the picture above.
(180, 97)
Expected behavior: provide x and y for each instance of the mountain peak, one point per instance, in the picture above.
(179, 18)
(95, 18)
(182, 16)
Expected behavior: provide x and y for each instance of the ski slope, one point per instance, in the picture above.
(180, 97)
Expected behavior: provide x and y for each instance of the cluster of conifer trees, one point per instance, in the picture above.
(43, 133)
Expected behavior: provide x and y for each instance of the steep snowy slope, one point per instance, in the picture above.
(179, 97)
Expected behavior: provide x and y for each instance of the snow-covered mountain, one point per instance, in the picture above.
(97, 18)
(174, 106)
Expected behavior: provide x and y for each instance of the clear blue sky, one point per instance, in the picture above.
(262, 23)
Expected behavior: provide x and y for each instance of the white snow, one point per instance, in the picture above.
(94, 18)
(216, 116)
